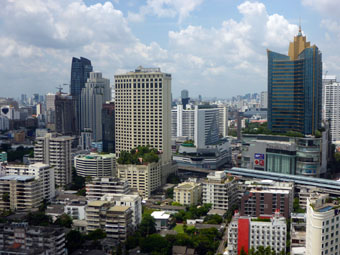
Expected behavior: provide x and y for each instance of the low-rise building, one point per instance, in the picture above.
(297, 232)
(98, 187)
(20, 193)
(265, 197)
(20, 238)
(96, 165)
(118, 222)
(188, 193)
(322, 228)
(145, 177)
(220, 190)
(43, 172)
(161, 219)
(134, 201)
(245, 233)
(115, 220)
(76, 210)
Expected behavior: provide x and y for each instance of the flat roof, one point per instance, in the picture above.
(96, 203)
(159, 215)
(119, 208)
(310, 181)
(17, 177)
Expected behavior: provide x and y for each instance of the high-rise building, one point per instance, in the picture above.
(264, 100)
(326, 80)
(185, 98)
(332, 104)
(295, 88)
(143, 112)
(80, 71)
(108, 123)
(55, 151)
(97, 91)
(322, 228)
(65, 115)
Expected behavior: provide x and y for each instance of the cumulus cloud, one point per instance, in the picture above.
(235, 52)
(327, 7)
(166, 8)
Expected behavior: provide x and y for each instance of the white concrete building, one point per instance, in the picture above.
(55, 151)
(332, 109)
(326, 80)
(43, 172)
(161, 219)
(96, 92)
(264, 100)
(99, 187)
(96, 165)
(131, 200)
(4, 123)
(322, 228)
(76, 210)
(245, 232)
(143, 111)
(219, 190)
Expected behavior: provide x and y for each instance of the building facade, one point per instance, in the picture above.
(20, 238)
(322, 228)
(43, 172)
(145, 178)
(219, 190)
(143, 111)
(99, 187)
(55, 151)
(80, 71)
(20, 193)
(332, 109)
(65, 115)
(95, 165)
(188, 193)
(97, 91)
(245, 233)
(108, 120)
(295, 88)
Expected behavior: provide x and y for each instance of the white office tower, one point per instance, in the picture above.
(55, 151)
(143, 112)
(223, 120)
(264, 100)
(322, 229)
(96, 92)
(4, 123)
(332, 111)
(326, 80)
(43, 172)
(85, 139)
(183, 122)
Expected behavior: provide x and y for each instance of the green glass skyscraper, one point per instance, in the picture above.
(295, 88)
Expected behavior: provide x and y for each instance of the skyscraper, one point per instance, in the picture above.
(143, 111)
(332, 111)
(295, 88)
(108, 124)
(97, 91)
(80, 71)
(185, 98)
(65, 115)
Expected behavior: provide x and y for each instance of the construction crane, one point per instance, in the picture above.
(60, 88)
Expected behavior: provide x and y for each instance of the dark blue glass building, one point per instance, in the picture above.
(295, 88)
(80, 71)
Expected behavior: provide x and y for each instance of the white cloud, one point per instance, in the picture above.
(166, 8)
(327, 7)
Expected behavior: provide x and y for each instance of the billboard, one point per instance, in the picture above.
(258, 159)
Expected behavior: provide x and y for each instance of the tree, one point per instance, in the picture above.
(96, 234)
(148, 225)
(38, 219)
(64, 221)
(243, 252)
(213, 219)
(169, 193)
(5, 197)
(74, 240)
(154, 243)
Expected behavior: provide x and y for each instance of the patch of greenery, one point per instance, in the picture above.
(147, 154)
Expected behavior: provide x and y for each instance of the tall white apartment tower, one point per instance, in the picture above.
(332, 110)
(55, 151)
(143, 111)
(326, 80)
(96, 92)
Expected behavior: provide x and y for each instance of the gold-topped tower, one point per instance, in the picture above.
(298, 45)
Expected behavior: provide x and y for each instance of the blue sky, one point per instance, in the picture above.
(215, 48)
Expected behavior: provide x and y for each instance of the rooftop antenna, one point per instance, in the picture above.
(300, 33)
(60, 88)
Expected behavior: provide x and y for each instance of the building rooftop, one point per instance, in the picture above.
(17, 178)
(160, 215)
(96, 203)
(118, 208)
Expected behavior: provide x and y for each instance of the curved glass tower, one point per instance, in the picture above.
(295, 88)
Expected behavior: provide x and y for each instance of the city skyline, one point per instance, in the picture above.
(206, 46)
